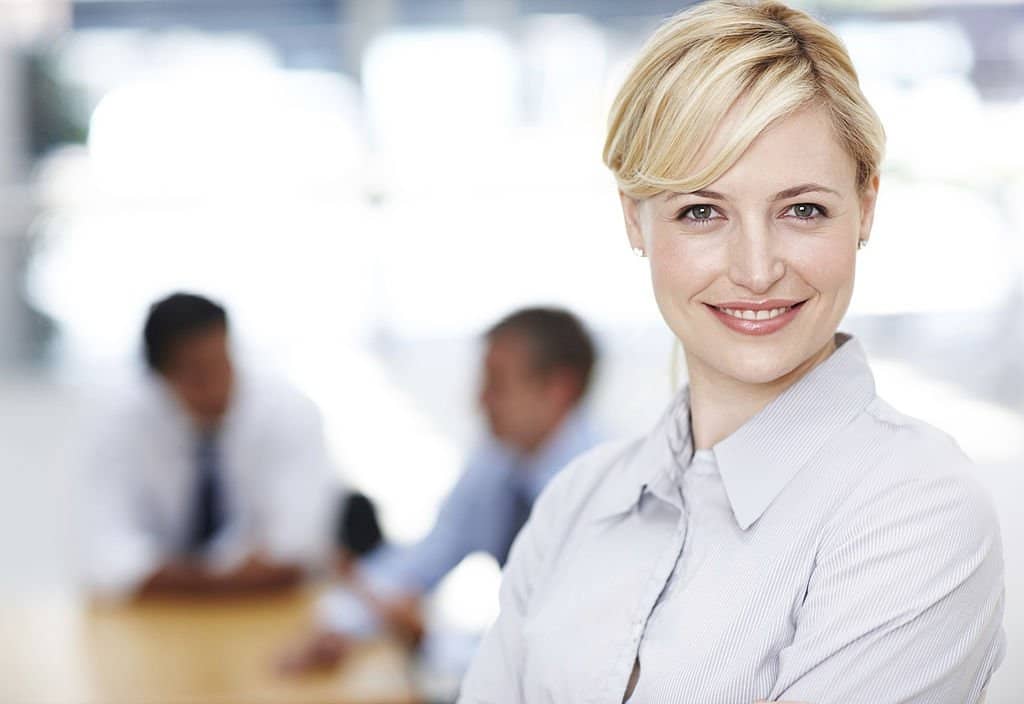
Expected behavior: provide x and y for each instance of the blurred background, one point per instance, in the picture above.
(367, 184)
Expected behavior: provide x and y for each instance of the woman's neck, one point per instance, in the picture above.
(720, 404)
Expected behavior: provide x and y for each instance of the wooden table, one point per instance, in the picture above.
(59, 651)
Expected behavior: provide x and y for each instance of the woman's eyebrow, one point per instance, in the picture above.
(790, 192)
(703, 193)
(803, 188)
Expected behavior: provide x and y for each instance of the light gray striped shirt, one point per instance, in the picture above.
(832, 551)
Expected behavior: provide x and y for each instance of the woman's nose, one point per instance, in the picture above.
(754, 261)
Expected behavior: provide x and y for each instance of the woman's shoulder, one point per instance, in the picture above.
(589, 470)
(585, 482)
(915, 449)
(921, 475)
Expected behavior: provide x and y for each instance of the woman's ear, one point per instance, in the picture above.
(631, 215)
(868, 199)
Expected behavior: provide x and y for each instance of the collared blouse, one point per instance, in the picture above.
(830, 551)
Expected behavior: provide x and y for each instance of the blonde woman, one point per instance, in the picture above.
(782, 533)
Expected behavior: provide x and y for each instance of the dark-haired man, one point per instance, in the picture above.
(536, 370)
(205, 477)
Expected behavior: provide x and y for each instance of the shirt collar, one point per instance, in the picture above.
(758, 460)
(652, 463)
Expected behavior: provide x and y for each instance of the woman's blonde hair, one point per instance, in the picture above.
(701, 64)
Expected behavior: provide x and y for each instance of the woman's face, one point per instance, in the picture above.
(754, 272)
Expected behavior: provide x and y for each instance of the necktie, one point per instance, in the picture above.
(208, 512)
(522, 503)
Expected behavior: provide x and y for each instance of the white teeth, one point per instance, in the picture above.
(746, 314)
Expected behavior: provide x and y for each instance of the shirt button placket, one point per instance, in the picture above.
(659, 585)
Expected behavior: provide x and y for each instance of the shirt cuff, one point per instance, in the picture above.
(341, 611)
(122, 569)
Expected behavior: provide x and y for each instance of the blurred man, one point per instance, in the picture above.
(536, 371)
(205, 478)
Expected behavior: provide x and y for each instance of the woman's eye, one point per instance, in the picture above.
(698, 213)
(805, 211)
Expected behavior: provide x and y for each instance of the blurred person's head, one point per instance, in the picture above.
(186, 343)
(536, 370)
(747, 161)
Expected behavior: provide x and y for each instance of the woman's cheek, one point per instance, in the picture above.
(679, 271)
(826, 264)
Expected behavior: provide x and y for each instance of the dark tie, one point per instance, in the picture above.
(522, 503)
(208, 511)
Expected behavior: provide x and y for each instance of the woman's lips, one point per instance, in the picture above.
(757, 319)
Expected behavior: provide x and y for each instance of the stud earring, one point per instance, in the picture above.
(861, 244)
(639, 252)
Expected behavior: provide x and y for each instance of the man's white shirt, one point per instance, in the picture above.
(137, 499)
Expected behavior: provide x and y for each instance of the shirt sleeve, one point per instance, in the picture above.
(117, 549)
(302, 487)
(905, 602)
(471, 518)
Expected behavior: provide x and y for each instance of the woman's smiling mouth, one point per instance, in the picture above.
(756, 317)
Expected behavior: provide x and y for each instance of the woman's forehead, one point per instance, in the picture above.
(798, 149)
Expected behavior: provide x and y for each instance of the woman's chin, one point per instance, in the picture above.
(755, 367)
(757, 375)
